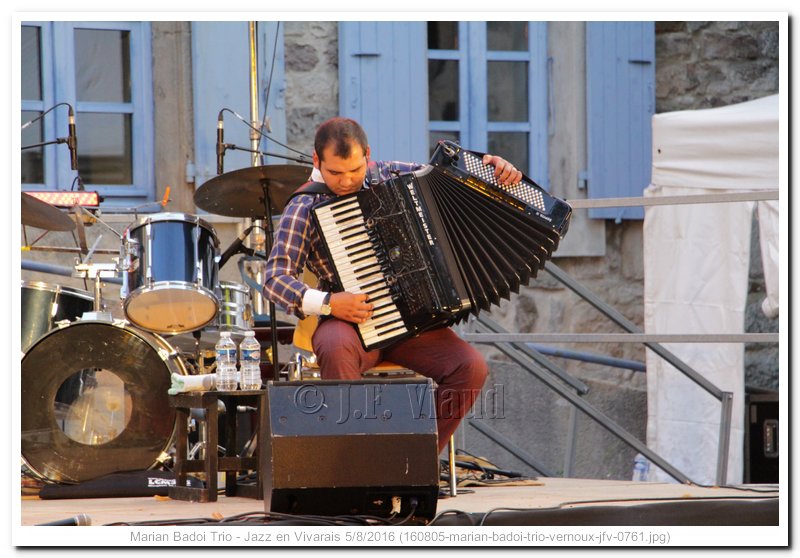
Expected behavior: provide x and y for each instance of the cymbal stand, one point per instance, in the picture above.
(270, 231)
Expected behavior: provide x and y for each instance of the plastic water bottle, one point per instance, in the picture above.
(641, 467)
(250, 358)
(227, 375)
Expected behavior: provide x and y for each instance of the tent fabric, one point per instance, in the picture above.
(727, 148)
(696, 260)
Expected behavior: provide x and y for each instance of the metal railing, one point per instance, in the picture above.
(519, 348)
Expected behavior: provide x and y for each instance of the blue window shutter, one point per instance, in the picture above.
(221, 76)
(539, 104)
(383, 84)
(620, 83)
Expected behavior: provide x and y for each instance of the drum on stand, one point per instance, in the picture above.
(235, 309)
(169, 273)
(94, 401)
(44, 305)
(235, 315)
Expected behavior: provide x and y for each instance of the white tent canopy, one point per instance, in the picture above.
(696, 273)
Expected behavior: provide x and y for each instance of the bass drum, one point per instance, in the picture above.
(44, 305)
(94, 401)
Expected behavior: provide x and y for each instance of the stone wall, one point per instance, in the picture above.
(312, 78)
(704, 64)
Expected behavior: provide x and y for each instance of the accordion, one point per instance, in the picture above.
(433, 246)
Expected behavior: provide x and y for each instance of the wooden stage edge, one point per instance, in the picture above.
(553, 494)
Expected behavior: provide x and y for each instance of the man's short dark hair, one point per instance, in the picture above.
(341, 133)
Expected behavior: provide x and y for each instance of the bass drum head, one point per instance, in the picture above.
(94, 401)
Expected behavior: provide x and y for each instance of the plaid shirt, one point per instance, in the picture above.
(298, 244)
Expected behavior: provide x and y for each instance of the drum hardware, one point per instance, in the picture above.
(96, 272)
(66, 249)
(81, 216)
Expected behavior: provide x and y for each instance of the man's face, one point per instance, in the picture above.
(343, 175)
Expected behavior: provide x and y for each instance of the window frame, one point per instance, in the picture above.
(59, 85)
(473, 125)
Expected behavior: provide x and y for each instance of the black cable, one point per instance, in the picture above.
(271, 71)
(453, 512)
(262, 134)
(80, 183)
(45, 112)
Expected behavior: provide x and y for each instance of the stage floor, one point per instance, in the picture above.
(550, 501)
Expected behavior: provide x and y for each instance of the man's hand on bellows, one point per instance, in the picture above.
(505, 172)
(351, 307)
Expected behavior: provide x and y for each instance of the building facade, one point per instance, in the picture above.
(570, 102)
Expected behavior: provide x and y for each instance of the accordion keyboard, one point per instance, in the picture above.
(358, 267)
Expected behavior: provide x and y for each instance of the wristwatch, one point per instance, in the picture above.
(325, 309)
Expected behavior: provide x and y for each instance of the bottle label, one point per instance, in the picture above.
(251, 354)
(226, 353)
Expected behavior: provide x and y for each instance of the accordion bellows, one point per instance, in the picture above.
(432, 246)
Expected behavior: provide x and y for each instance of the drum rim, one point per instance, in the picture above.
(234, 286)
(158, 343)
(176, 217)
(169, 285)
(56, 288)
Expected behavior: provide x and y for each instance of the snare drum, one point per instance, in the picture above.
(170, 270)
(94, 401)
(44, 305)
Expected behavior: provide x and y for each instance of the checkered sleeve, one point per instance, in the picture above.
(282, 283)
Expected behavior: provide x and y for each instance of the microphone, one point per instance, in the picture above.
(234, 247)
(220, 144)
(72, 141)
(80, 519)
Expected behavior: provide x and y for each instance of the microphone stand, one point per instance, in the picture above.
(55, 141)
(233, 147)
(254, 143)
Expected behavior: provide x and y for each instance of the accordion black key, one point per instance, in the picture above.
(433, 246)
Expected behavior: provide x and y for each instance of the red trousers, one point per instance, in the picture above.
(458, 369)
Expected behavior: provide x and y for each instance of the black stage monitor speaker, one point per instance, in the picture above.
(366, 447)
(761, 439)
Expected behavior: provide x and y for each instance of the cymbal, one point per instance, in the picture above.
(42, 215)
(243, 192)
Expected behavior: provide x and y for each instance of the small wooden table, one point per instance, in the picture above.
(232, 463)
